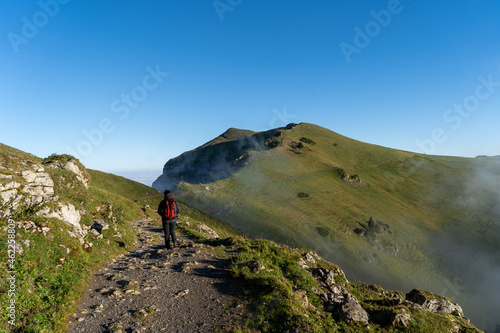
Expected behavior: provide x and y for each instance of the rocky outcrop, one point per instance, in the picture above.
(344, 305)
(40, 187)
(206, 231)
(73, 167)
(9, 191)
(347, 177)
(68, 214)
(434, 303)
(216, 160)
(29, 185)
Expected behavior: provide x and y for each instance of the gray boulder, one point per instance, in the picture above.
(345, 305)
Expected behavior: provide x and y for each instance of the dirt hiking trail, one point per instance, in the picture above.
(151, 289)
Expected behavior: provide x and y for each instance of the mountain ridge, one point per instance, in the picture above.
(310, 187)
(59, 255)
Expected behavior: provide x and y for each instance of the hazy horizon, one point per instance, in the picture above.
(138, 83)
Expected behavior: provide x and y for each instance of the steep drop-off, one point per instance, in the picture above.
(394, 217)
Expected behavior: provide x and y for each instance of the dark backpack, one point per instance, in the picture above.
(170, 209)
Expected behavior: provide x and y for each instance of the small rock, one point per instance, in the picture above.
(302, 263)
(182, 293)
(401, 319)
(141, 313)
(255, 266)
(100, 225)
(95, 233)
(312, 257)
(116, 327)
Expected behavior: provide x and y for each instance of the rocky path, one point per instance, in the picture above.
(150, 289)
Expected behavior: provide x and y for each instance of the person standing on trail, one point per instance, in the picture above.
(168, 210)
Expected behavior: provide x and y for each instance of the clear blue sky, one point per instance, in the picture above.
(148, 80)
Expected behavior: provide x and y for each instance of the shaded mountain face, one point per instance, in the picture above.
(217, 159)
(397, 218)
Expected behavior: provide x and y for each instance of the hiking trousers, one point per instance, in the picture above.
(169, 230)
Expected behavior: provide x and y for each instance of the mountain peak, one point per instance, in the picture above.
(231, 134)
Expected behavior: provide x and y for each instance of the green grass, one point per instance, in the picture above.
(420, 197)
(49, 281)
(53, 270)
(272, 294)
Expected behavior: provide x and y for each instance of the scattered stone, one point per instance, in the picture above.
(116, 327)
(141, 313)
(87, 245)
(207, 231)
(255, 266)
(312, 257)
(100, 225)
(19, 249)
(302, 263)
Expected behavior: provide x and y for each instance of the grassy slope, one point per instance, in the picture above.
(47, 294)
(273, 294)
(49, 280)
(420, 197)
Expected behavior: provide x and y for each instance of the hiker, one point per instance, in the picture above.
(168, 210)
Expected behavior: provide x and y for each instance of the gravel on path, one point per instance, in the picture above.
(151, 289)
